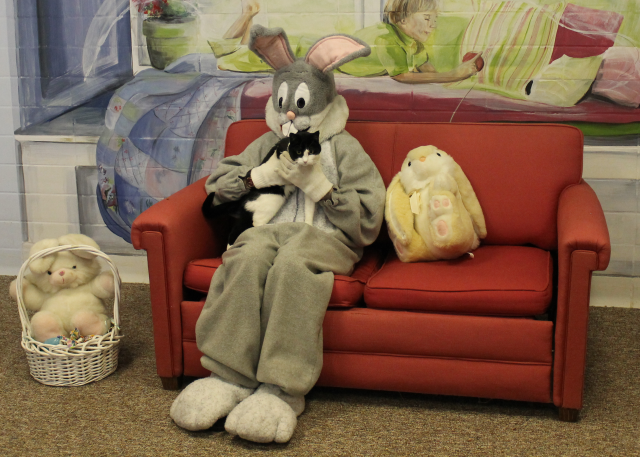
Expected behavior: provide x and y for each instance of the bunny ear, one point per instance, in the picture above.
(41, 265)
(334, 50)
(471, 203)
(77, 238)
(271, 45)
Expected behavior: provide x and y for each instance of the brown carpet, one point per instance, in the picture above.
(128, 412)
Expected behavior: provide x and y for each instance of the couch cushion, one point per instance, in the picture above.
(347, 290)
(500, 280)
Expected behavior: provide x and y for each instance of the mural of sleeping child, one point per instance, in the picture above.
(549, 53)
(397, 45)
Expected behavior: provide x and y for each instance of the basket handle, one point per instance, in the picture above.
(24, 316)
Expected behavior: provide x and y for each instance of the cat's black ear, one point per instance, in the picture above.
(316, 135)
(294, 139)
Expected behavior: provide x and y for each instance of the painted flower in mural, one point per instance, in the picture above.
(163, 8)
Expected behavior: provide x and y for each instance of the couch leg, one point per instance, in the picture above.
(170, 383)
(568, 414)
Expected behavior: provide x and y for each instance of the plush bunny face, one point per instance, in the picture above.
(66, 269)
(69, 271)
(422, 164)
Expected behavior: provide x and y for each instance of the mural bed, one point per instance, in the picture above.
(166, 129)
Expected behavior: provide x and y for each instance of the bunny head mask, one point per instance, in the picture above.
(303, 89)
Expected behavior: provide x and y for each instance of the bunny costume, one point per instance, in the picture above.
(261, 327)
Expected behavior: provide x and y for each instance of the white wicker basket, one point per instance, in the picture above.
(58, 365)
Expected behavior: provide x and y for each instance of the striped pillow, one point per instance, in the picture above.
(516, 41)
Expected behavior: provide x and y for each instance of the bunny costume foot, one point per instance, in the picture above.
(205, 401)
(267, 415)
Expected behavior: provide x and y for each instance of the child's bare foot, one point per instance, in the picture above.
(242, 26)
(250, 7)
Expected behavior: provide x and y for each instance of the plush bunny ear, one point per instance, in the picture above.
(77, 238)
(41, 265)
(398, 212)
(332, 51)
(471, 202)
(272, 46)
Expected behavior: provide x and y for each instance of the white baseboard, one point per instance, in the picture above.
(132, 268)
(615, 291)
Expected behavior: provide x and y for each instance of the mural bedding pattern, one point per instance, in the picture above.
(153, 144)
(516, 41)
(521, 44)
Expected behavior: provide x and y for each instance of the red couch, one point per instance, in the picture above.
(510, 323)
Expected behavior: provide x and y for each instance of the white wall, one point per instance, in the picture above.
(11, 231)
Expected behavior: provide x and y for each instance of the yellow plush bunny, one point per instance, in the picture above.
(431, 209)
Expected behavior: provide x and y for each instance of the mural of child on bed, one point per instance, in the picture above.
(543, 61)
(551, 53)
(397, 44)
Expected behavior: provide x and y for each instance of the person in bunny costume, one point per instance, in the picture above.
(261, 327)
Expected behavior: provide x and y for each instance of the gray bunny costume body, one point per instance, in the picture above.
(262, 321)
(261, 327)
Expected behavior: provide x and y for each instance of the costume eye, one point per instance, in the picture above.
(282, 94)
(302, 95)
(409, 164)
(438, 154)
(74, 267)
(48, 272)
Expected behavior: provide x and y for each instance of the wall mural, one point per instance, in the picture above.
(452, 61)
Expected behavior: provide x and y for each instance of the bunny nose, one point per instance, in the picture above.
(291, 115)
(423, 158)
(61, 273)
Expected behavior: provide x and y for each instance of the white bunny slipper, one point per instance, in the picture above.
(205, 401)
(267, 415)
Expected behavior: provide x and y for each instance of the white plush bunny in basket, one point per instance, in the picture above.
(67, 289)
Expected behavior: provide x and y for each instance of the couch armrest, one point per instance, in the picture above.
(174, 232)
(582, 226)
(583, 246)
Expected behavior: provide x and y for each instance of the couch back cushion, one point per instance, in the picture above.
(518, 171)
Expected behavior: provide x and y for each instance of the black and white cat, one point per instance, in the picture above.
(259, 206)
